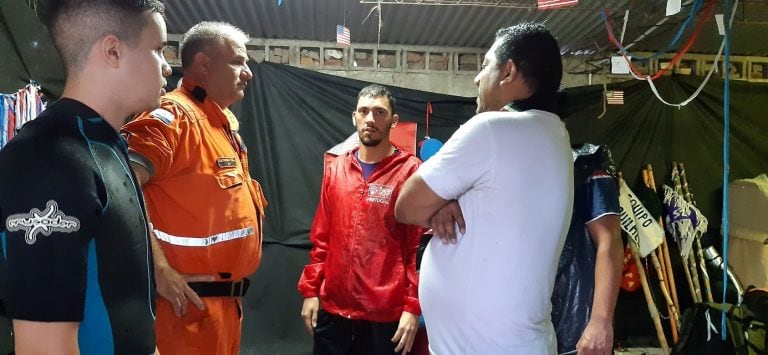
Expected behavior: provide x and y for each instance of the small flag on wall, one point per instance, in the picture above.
(556, 4)
(614, 97)
(342, 35)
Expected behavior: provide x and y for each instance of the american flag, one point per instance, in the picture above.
(342, 35)
(614, 97)
(556, 4)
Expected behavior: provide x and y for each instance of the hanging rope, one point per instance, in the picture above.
(426, 127)
(675, 59)
(605, 94)
(726, 155)
(376, 8)
(703, 84)
(679, 34)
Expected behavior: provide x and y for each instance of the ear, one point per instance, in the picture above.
(109, 51)
(354, 122)
(395, 119)
(508, 72)
(203, 61)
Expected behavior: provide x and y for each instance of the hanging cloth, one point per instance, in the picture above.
(18, 109)
(3, 122)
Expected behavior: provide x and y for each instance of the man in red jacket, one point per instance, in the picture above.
(360, 286)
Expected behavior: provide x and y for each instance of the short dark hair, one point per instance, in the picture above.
(535, 53)
(376, 90)
(205, 34)
(75, 25)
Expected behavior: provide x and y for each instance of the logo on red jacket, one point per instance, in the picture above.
(379, 193)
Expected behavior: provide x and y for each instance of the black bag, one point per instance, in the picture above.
(700, 333)
(756, 299)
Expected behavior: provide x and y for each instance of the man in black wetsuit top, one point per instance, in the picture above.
(73, 233)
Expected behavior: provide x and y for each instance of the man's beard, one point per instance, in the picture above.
(370, 142)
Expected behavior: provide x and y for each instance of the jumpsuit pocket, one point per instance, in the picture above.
(230, 178)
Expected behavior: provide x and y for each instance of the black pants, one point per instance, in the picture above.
(336, 335)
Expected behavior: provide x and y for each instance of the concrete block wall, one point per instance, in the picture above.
(451, 70)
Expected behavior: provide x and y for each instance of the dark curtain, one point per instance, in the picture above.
(291, 116)
(645, 131)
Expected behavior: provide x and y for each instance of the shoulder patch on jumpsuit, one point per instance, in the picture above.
(163, 115)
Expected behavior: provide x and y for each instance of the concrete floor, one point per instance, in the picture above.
(292, 348)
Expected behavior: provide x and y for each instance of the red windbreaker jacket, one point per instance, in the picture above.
(363, 263)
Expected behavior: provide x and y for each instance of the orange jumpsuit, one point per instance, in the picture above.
(205, 209)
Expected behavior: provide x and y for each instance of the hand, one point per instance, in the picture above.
(597, 338)
(173, 287)
(444, 222)
(309, 313)
(406, 332)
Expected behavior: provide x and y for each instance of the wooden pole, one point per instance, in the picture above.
(674, 317)
(649, 300)
(648, 297)
(648, 180)
(701, 262)
(694, 276)
(686, 268)
(690, 261)
(665, 247)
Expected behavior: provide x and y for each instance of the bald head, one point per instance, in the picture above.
(208, 37)
(76, 25)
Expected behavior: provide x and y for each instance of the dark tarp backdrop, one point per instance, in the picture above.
(644, 130)
(291, 116)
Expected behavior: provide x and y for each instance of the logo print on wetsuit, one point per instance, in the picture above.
(379, 193)
(46, 222)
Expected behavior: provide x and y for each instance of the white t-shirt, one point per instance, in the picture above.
(490, 293)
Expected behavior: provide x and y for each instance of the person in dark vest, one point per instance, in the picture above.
(589, 271)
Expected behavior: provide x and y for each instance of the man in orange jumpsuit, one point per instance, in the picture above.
(206, 211)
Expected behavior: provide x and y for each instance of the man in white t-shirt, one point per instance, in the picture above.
(488, 292)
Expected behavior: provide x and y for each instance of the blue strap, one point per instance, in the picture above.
(726, 157)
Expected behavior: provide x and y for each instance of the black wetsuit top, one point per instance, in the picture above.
(74, 240)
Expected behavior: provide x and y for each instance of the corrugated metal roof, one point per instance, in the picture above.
(578, 28)
(750, 26)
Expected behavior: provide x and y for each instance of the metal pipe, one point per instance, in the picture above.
(714, 259)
